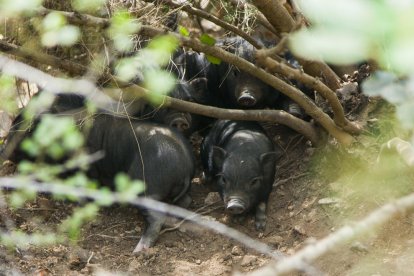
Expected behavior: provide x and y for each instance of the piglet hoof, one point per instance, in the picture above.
(143, 248)
(239, 219)
(260, 225)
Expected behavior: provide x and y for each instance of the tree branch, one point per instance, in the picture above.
(307, 104)
(259, 16)
(279, 17)
(309, 107)
(78, 18)
(105, 99)
(281, 68)
(171, 210)
(403, 148)
(311, 252)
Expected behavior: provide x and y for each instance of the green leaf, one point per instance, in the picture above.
(26, 167)
(54, 21)
(10, 8)
(121, 28)
(213, 60)
(159, 83)
(386, 85)
(166, 43)
(330, 45)
(206, 39)
(121, 182)
(89, 5)
(183, 31)
(65, 36)
(105, 197)
(405, 114)
(341, 14)
(8, 96)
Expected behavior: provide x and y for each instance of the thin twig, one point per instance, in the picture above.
(311, 252)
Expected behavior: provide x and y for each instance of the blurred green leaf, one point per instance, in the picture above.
(26, 167)
(128, 69)
(159, 83)
(16, 238)
(65, 36)
(183, 31)
(385, 84)
(105, 197)
(72, 225)
(213, 60)
(330, 45)
(54, 21)
(405, 113)
(127, 188)
(206, 39)
(121, 182)
(337, 13)
(19, 197)
(12, 8)
(121, 28)
(8, 95)
(89, 5)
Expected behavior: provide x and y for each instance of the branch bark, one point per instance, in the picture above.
(60, 189)
(307, 104)
(278, 67)
(105, 98)
(71, 67)
(279, 17)
(404, 149)
(309, 107)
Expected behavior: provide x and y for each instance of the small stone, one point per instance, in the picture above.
(274, 240)
(138, 229)
(329, 200)
(212, 198)
(236, 251)
(359, 247)
(198, 262)
(248, 260)
(196, 181)
(299, 229)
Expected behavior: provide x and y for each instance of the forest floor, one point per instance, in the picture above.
(316, 192)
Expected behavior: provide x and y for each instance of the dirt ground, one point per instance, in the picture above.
(309, 201)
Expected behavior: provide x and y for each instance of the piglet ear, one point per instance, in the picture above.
(219, 154)
(268, 161)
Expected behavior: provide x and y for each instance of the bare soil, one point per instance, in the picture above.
(308, 202)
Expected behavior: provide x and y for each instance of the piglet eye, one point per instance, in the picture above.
(256, 181)
(235, 72)
(223, 180)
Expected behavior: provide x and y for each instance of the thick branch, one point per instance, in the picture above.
(311, 252)
(279, 17)
(276, 14)
(404, 149)
(240, 4)
(60, 189)
(73, 68)
(307, 104)
(281, 68)
(285, 88)
(277, 116)
(88, 89)
(78, 18)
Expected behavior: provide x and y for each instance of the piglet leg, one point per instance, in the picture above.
(154, 221)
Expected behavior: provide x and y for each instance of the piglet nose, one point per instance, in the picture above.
(246, 99)
(235, 206)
